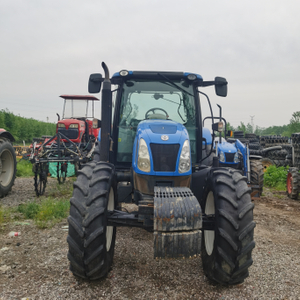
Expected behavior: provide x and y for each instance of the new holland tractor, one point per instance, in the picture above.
(151, 153)
(232, 153)
(8, 162)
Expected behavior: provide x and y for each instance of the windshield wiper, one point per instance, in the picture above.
(174, 84)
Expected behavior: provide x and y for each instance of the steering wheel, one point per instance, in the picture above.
(153, 112)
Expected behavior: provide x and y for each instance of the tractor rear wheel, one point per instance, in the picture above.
(257, 174)
(8, 165)
(91, 241)
(226, 250)
(292, 183)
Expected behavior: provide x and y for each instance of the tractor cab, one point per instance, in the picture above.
(78, 123)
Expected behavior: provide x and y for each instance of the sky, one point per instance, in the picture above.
(49, 48)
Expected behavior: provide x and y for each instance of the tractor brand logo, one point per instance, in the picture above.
(164, 137)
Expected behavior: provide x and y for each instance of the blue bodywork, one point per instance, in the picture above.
(152, 131)
(228, 148)
(207, 136)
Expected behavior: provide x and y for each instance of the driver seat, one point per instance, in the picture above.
(158, 116)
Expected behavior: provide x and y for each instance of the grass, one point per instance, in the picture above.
(24, 168)
(275, 177)
(44, 211)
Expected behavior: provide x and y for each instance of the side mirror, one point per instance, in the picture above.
(221, 86)
(95, 81)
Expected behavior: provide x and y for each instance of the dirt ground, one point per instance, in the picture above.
(34, 265)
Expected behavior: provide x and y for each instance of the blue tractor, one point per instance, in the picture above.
(234, 154)
(152, 153)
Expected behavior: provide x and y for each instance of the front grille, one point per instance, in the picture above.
(164, 157)
(71, 134)
(229, 157)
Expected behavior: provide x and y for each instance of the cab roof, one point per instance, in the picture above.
(79, 97)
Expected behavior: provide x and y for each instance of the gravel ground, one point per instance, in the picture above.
(35, 265)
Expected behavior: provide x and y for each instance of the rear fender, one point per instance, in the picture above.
(6, 135)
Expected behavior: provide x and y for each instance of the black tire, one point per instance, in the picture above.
(8, 167)
(292, 183)
(40, 177)
(91, 241)
(257, 174)
(61, 169)
(226, 250)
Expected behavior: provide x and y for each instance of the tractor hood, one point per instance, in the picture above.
(164, 140)
(227, 147)
(161, 132)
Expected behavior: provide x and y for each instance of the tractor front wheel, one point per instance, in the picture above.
(292, 183)
(226, 250)
(91, 241)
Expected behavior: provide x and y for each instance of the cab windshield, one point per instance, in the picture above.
(143, 100)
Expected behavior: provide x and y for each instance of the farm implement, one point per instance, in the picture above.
(73, 143)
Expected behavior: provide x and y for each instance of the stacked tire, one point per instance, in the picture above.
(296, 145)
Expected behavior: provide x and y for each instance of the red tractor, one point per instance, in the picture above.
(74, 141)
(78, 123)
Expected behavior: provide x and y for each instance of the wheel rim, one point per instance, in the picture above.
(266, 164)
(289, 183)
(6, 167)
(110, 229)
(209, 235)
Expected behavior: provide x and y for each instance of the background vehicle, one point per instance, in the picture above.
(74, 142)
(8, 163)
(151, 153)
(233, 153)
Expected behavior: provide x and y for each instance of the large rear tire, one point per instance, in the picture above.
(91, 241)
(226, 250)
(292, 183)
(8, 166)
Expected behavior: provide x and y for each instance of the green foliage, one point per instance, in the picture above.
(276, 177)
(46, 213)
(24, 168)
(52, 211)
(295, 122)
(29, 210)
(24, 129)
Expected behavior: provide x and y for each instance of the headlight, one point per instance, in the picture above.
(143, 157)
(236, 157)
(61, 125)
(221, 156)
(73, 126)
(185, 158)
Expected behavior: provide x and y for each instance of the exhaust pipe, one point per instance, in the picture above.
(106, 109)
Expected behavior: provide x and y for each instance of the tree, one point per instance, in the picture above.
(295, 122)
